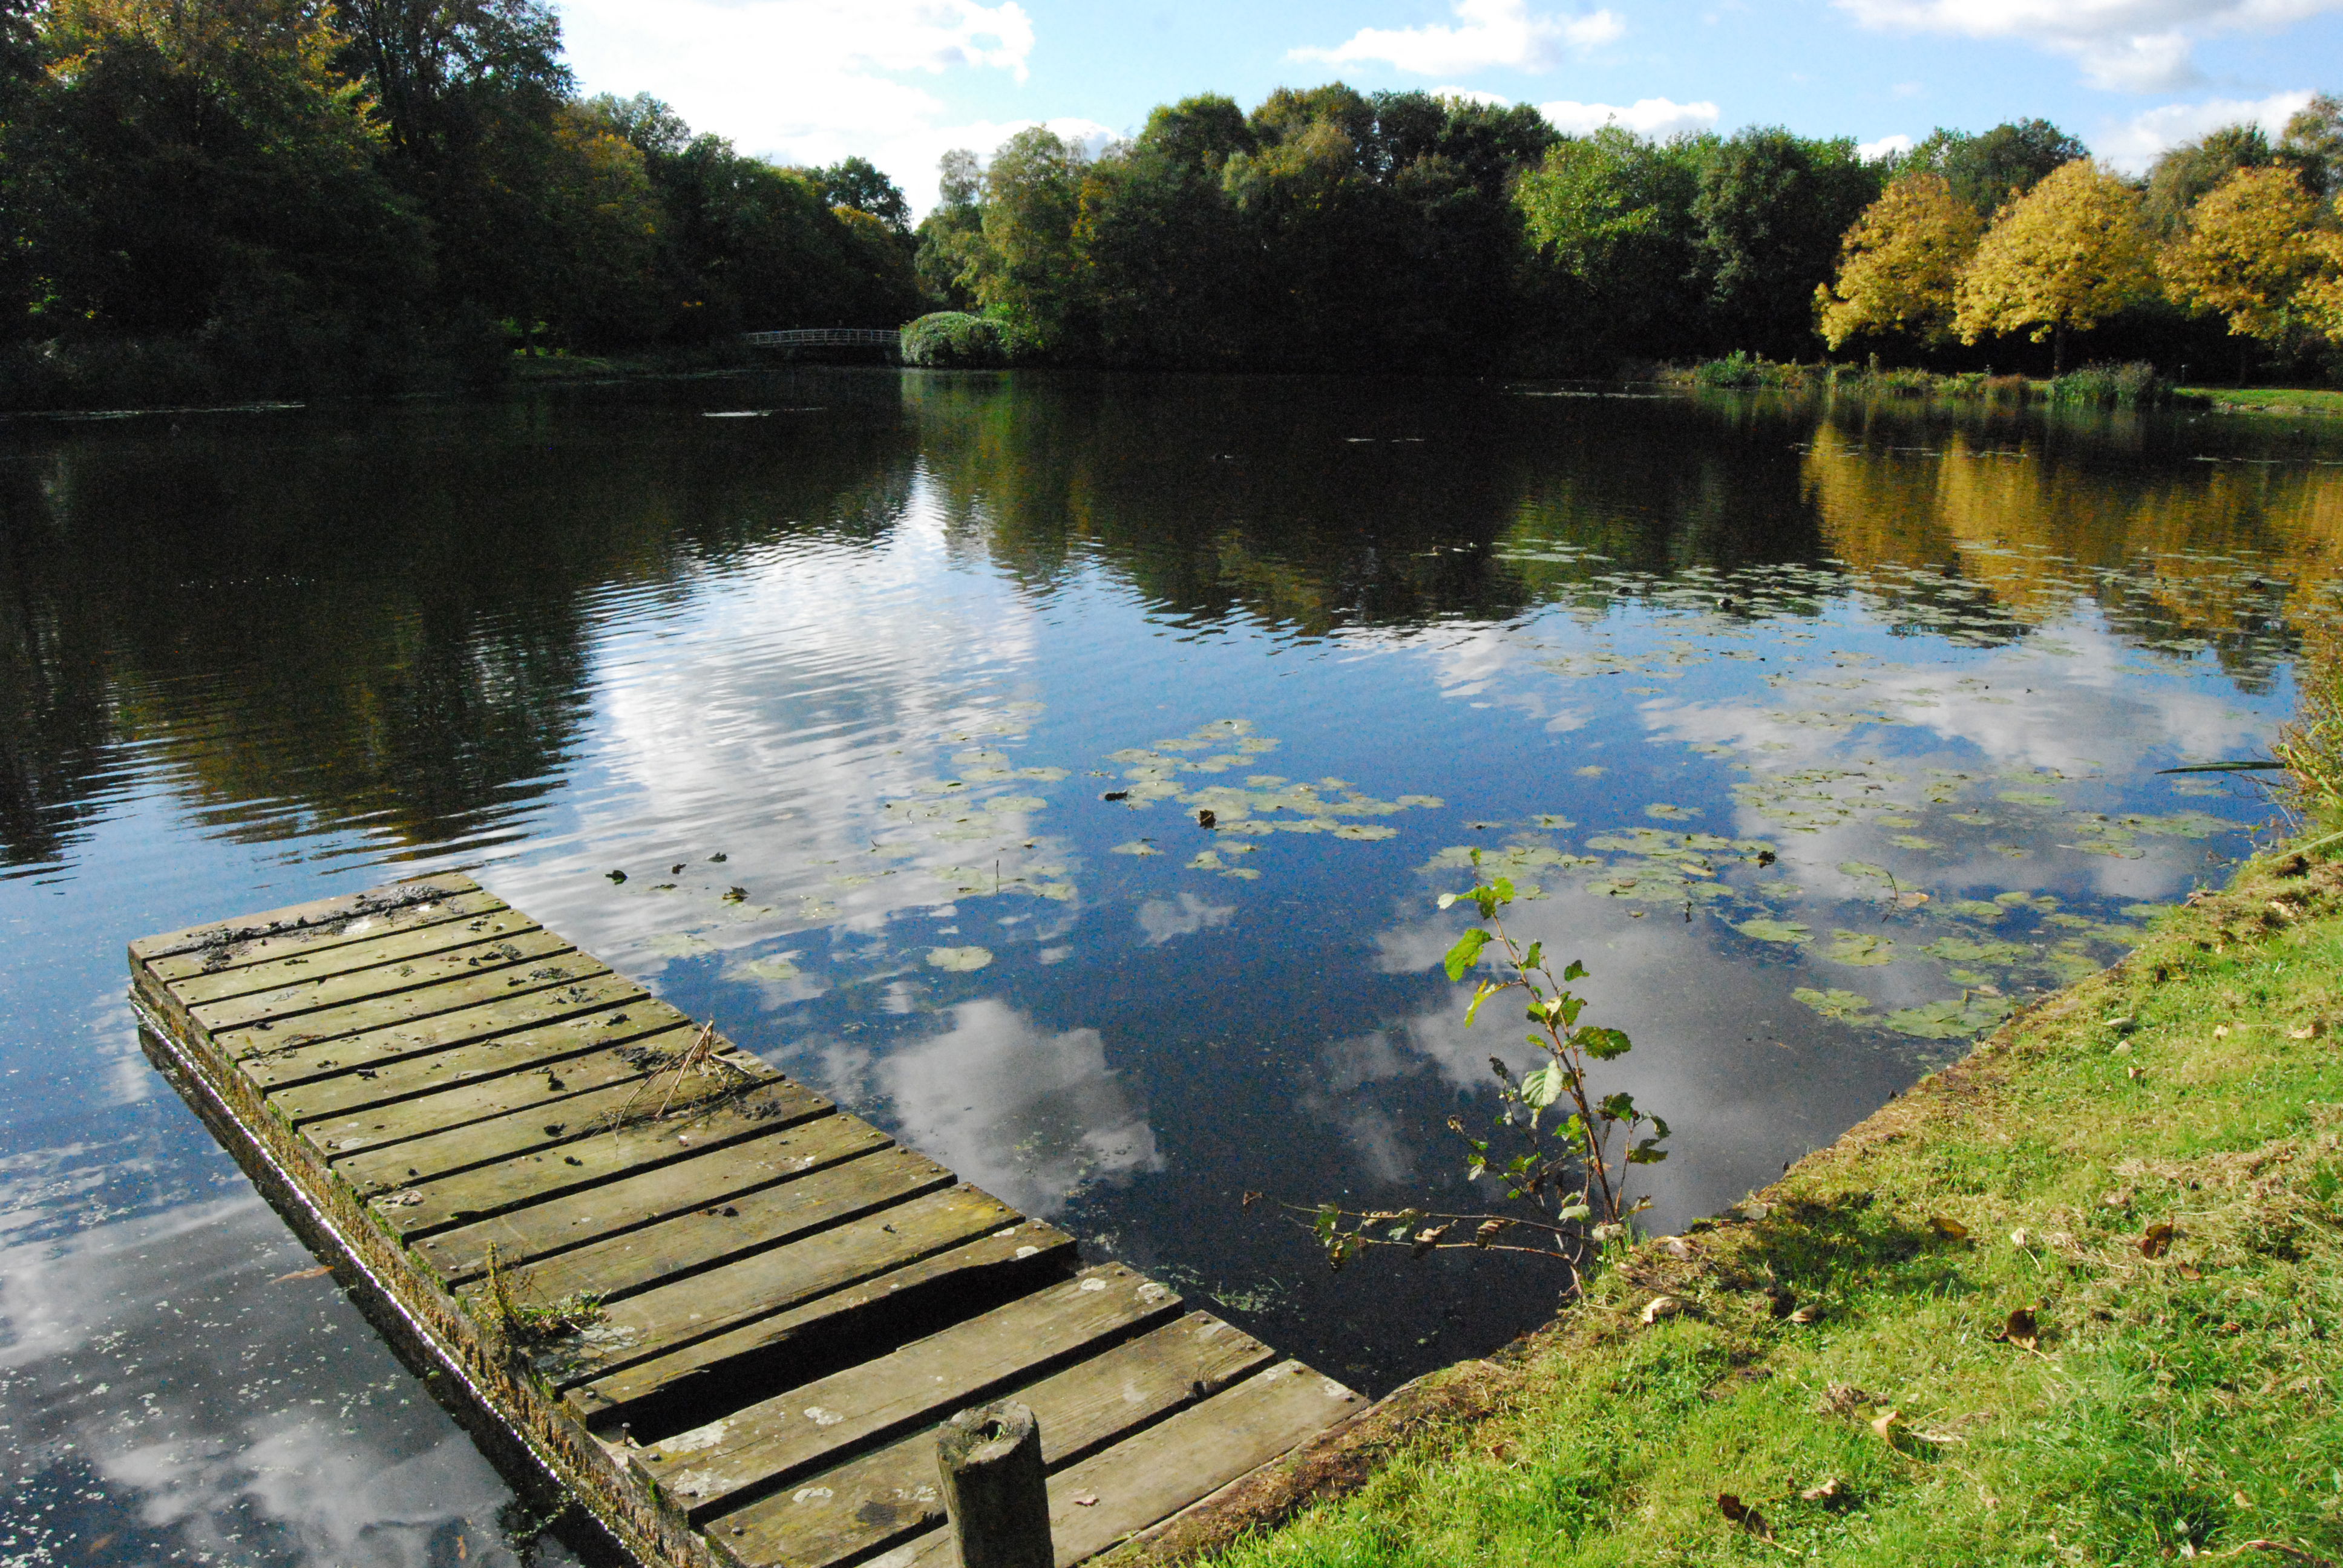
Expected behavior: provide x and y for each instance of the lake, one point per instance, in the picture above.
(870, 714)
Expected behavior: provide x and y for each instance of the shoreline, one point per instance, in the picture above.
(1915, 1413)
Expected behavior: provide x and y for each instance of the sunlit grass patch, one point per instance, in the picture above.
(1846, 1363)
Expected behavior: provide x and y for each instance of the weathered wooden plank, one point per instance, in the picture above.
(714, 1468)
(512, 1160)
(319, 919)
(870, 1504)
(655, 1345)
(1152, 1475)
(410, 987)
(615, 1238)
(274, 1061)
(294, 970)
(320, 940)
(372, 1107)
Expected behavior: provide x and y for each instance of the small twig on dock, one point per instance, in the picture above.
(699, 1057)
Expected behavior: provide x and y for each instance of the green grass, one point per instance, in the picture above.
(2284, 400)
(2173, 1406)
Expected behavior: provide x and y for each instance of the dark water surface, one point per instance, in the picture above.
(840, 684)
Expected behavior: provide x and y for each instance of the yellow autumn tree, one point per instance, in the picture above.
(2320, 297)
(1900, 263)
(2246, 253)
(2060, 258)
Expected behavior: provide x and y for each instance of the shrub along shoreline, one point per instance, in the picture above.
(2077, 1298)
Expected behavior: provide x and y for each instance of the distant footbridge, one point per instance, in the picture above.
(887, 339)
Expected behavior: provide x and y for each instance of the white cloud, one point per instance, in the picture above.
(1160, 920)
(1645, 116)
(806, 81)
(2134, 144)
(1493, 34)
(1871, 151)
(1029, 1116)
(2123, 46)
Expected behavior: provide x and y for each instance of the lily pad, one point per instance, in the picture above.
(1772, 931)
(1970, 951)
(1365, 831)
(680, 945)
(1865, 870)
(1957, 1018)
(1136, 846)
(769, 969)
(960, 958)
(1840, 1004)
(1860, 949)
(1667, 813)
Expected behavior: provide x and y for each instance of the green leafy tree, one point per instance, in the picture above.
(952, 236)
(2069, 253)
(1171, 274)
(644, 123)
(2182, 176)
(1027, 272)
(1987, 169)
(857, 183)
(1611, 217)
(200, 169)
(440, 72)
(1901, 265)
(1771, 211)
(2313, 145)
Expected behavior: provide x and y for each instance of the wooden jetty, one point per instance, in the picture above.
(725, 1317)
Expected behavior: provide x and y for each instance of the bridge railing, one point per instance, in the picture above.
(827, 338)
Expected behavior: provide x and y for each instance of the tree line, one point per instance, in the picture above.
(1334, 229)
(265, 196)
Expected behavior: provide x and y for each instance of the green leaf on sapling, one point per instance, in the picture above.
(1602, 1044)
(1465, 953)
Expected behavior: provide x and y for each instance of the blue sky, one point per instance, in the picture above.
(902, 81)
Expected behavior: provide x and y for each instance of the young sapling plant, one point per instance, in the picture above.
(1560, 1152)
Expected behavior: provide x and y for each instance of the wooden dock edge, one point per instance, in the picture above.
(571, 1459)
(1333, 1464)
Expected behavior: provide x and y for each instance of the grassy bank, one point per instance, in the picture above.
(1848, 1354)
(2287, 401)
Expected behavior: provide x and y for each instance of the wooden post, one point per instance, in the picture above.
(995, 1491)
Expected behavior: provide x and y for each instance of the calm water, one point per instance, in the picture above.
(837, 668)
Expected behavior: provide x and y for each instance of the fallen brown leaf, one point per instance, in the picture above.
(2157, 1240)
(1827, 1492)
(2020, 1329)
(1085, 1500)
(304, 1273)
(1950, 1230)
(1884, 1425)
(1660, 1307)
(1744, 1515)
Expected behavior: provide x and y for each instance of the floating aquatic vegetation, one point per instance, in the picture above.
(1845, 1005)
(679, 944)
(1962, 949)
(767, 968)
(958, 960)
(1859, 949)
(1765, 928)
(1135, 847)
(1957, 1019)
